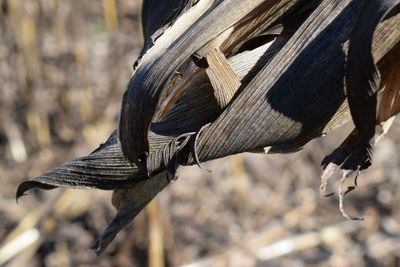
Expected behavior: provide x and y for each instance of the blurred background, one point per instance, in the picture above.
(63, 69)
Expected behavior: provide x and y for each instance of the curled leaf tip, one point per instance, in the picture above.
(22, 188)
(194, 149)
(18, 196)
(28, 185)
(20, 193)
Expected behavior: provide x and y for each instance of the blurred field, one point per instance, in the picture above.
(63, 69)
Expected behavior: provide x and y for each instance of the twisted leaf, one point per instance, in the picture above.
(224, 77)
(155, 71)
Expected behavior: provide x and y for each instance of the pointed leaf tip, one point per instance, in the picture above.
(26, 186)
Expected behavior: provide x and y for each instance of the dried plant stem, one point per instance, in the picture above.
(110, 14)
(156, 243)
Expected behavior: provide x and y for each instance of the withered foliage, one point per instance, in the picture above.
(216, 78)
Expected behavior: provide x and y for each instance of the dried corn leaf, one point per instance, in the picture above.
(196, 108)
(130, 203)
(362, 80)
(283, 103)
(104, 168)
(156, 68)
(159, 15)
(272, 76)
(389, 105)
(223, 78)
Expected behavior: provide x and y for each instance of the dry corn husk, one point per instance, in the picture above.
(216, 78)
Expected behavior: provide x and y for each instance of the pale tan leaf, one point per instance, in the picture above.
(223, 78)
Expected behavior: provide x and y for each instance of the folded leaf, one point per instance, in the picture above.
(223, 79)
(155, 71)
(130, 203)
(362, 75)
(285, 101)
(362, 81)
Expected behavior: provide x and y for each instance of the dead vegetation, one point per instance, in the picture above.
(63, 67)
